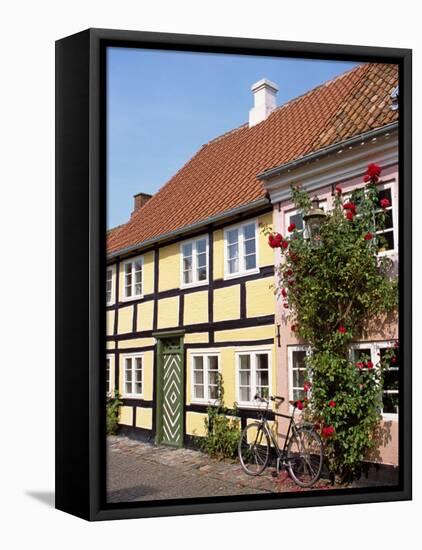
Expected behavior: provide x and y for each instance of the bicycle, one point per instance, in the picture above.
(302, 453)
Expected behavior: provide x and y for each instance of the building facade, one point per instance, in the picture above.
(183, 311)
(190, 276)
(344, 166)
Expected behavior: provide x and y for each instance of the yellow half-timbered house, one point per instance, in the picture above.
(190, 276)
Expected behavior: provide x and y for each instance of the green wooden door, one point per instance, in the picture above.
(170, 391)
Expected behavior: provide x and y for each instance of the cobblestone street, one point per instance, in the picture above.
(142, 471)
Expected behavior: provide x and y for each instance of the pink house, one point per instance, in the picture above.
(343, 164)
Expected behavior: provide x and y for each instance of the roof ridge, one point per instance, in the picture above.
(322, 85)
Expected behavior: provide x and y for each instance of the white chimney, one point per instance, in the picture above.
(264, 93)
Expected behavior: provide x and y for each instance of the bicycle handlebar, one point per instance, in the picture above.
(271, 398)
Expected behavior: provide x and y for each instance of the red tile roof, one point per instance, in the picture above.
(222, 175)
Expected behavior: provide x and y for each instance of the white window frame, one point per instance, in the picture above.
(290, 351)
(392, 185)
(294, 211)
(133, 357)
(375, 347)
(204, 353)
(133, 296)
(242, 270)
(393, 191)
(195, 281)
(253, 352)
(113, 285)
(109, 362)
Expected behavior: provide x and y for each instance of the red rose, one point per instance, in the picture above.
(275, 240)
(307, 386)
(370, 364)
(299, 405)
(384, 203)
(369, 236)
(366, 178)
(328, 431)
(350, 206)
(294, 328)
(288, 272)
(284, 244)
(290, 282)
(286, 306)
(338, 190)
(291, 227)
(284, 293)
(394, 359)
(373, 171)
(294, 257)
(332, 404)
(350, 215)
(360, 365)
(342, 329)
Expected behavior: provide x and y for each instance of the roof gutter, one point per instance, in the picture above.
(330, 149)
(264, 201)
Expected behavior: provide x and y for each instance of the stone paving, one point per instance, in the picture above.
(139, 471)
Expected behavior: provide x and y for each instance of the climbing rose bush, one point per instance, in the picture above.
(329, 294)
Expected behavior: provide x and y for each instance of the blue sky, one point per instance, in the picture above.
(162, 106)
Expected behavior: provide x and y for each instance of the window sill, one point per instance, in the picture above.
(132, 298)
(193, 285)
(229, 276)
(133, 396)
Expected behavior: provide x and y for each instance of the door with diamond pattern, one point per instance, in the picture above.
(170, 391)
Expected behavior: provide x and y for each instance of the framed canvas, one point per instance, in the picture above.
(233, 274)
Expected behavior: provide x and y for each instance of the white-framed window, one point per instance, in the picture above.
(205, 371)
(374, 351)
(253, 375)
(133, 375)
(109, 285)
(133, 278)
(194, 262)
(297, 371)
(389, 233)
(241, 249)
(295, 216)
(390, 230)
(108, 375)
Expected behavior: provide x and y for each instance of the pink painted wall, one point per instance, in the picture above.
(387, 451)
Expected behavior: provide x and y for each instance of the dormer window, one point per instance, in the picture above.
(395, 99)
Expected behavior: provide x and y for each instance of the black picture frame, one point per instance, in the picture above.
(80, 269)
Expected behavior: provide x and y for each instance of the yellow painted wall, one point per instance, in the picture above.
(126, 416)
(195, 423)
(136, 343)
(169, 267)
(243, 334)
(218, 254)
(260, 299)
(196, 338)
(148, 274)
(125, 319)
(227, 303)
(145, 316)
(266, 253)
(196, 308)
(110, 345)
(110, 322)
(144, 418)
(168, 312)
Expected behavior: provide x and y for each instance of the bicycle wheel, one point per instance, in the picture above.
(305, 457)
(254, 449)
